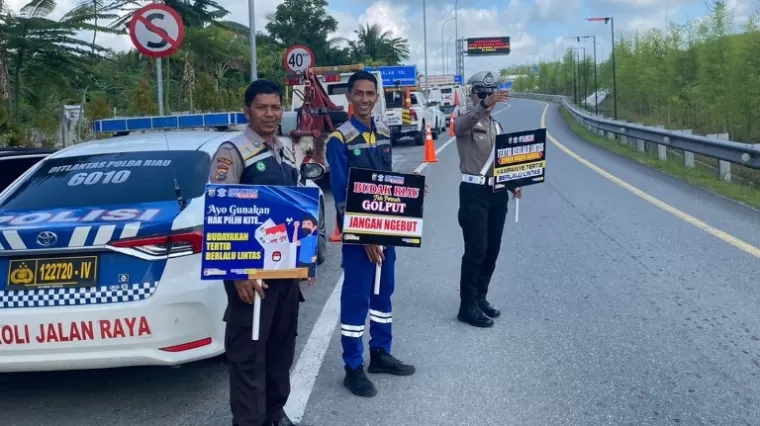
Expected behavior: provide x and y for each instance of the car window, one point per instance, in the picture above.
(394, 99)
(415, 101)
(13, 167)
(337, 89)
(445, 90)
(113, 178)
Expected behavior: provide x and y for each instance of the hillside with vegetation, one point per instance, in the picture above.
(701, 76)
(47, 63)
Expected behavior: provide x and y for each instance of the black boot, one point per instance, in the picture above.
(358, 382)
(285, 421)
(383, 362)
(488, 309)
(473, 315)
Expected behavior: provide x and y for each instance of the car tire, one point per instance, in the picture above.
(434, 131)
(419, 139)
(322, 243)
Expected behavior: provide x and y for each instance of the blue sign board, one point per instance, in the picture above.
(260, 232)
(506, 85)
(458, 79)
(406, 75)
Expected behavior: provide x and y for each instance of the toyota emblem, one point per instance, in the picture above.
(47, 238)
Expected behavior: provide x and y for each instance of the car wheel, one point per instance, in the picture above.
(434, 131)
(322, 244)
(419, 138)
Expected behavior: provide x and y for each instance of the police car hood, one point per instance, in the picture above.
(84, 227)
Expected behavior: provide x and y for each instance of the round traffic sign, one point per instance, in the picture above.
(298, 58)
(156, 30)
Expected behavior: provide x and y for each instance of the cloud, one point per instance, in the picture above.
(538, 29)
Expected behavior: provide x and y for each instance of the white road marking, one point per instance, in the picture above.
(305, 373)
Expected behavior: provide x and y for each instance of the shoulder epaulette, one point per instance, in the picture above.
(382, 129)
(246, 148)
(348, 131)
(337, 135)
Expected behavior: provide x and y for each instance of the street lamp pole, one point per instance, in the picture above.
(252, 40)
(443, 48)
(596, 86)
(611, 21)
(456, 37)
(424, 37)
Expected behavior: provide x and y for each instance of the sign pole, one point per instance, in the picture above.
(160, 85)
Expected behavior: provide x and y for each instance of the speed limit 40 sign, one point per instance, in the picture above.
(298, 58)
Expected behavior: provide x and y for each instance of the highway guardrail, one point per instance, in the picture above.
(715, 146)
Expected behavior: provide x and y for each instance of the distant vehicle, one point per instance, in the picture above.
(330, 98)
(421, 113)
(100, 247)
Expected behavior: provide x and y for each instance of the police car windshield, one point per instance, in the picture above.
(113, 178)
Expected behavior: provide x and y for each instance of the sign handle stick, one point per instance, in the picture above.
(378, 271)
(256, 313)
(517, 210)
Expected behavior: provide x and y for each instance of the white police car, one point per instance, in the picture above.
(100, 256)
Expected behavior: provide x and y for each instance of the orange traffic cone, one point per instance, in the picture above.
(429, 147)
(335, 237)
(350, 110)
(456, 97)
(451, 124)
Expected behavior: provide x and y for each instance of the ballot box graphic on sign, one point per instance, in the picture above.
(260, 232)
(279, 252)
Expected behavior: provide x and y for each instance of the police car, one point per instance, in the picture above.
(100, 247)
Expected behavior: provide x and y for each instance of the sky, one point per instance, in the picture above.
(538, 29)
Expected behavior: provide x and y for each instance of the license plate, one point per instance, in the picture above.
(394, 121)
(52, 272)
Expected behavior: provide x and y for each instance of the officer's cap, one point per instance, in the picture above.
(485, 81)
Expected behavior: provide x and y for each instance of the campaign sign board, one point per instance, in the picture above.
(405, 75)
(383, 208)
(520, 159)
(458, 79)
(260, 232)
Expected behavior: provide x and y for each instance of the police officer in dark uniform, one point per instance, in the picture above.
(482, 212)
(259, 369)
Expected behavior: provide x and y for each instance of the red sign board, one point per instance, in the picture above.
(156, 30)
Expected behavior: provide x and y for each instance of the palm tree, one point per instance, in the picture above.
(43, 47)
(374, 45)
(194, 13)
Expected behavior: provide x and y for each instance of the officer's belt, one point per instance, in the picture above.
(481, 179)
(477, 180)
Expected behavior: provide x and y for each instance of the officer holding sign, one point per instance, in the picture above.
(363, 143)
(259, 369)
(482, 208)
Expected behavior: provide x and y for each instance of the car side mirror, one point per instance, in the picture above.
(312, 170)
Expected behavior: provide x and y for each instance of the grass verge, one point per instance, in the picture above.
(673, 166)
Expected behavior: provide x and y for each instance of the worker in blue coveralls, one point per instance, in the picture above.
(363, 143)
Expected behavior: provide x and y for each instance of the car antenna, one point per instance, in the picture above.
(177, 191)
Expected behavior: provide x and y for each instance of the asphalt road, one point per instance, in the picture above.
(616, 310)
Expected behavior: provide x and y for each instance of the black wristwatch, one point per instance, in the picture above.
(483, 104)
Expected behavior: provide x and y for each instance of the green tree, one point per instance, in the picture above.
(142, 100)
(379, 47)
(304, 22)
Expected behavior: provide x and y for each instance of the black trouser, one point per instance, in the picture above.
(482, 214)
(260, 369)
